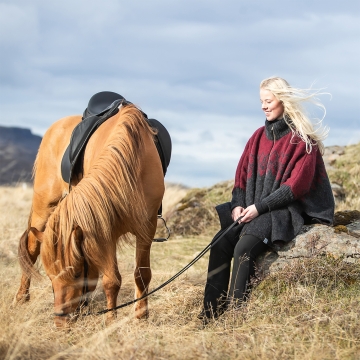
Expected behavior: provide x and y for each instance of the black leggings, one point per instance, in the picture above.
(245, 251)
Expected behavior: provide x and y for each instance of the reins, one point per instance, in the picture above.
(216, 239)
(85, 290)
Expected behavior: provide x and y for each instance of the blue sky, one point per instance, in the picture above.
(193, 65)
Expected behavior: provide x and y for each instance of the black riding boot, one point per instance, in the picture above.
(216, 288)
(247, 249)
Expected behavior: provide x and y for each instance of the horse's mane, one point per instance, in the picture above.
(107, 197)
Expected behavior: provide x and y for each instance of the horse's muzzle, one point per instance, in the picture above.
(63, 320)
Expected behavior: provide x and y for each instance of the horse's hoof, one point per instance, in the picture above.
(110, 318)
(62, 322)
(21, 298)
(141, 314)
(109, 321)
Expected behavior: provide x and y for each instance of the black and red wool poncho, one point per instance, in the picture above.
(288, 186)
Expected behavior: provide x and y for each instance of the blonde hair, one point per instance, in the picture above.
(294, 113)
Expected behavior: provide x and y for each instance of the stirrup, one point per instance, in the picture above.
(168, 230)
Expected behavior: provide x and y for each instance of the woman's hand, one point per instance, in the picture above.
(250, 213)
(236, 213)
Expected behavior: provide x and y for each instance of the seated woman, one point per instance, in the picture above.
(280, 184)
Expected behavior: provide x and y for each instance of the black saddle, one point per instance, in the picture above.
(101, 107)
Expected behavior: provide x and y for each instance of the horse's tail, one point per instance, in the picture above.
(110, 198)
(25, 261)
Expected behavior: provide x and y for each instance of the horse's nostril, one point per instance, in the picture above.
(61, 314)
(61, 321)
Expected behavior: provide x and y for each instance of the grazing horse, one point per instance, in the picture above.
(119, 193)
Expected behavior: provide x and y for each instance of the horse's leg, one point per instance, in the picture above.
(143, 272)
(142, 278)
(28, 252)
(29, 246)
(49, 188)
(111, 289)
(29, 249)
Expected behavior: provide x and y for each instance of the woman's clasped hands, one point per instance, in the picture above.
(248, 214)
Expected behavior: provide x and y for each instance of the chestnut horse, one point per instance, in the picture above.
(120, 192)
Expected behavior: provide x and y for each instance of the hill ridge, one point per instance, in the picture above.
(18, 149)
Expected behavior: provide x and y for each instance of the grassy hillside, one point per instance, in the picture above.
(310, 310)
(346, 173)
(18, 149)
(195, 213)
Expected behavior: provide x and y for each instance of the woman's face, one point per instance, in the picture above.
(272, 107)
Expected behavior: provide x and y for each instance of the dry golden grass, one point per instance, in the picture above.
(173, 194)
(309, 311)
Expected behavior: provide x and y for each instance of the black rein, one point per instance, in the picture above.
(192, 262)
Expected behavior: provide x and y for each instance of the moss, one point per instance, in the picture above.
(341, 228)
(346, 217)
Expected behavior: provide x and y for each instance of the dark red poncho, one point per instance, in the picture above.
(287, 185)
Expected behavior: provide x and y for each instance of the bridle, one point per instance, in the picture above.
(83, 299)
(85, 289)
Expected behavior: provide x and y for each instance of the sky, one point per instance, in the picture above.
(194, 65)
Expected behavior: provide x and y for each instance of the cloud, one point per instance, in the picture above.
(195, 66)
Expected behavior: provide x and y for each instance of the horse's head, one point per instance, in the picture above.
(64, 263)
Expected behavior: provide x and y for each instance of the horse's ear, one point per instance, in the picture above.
(38, 234)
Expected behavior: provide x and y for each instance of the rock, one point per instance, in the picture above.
(338, 192)
(332, 158)
(332, 153)
(354, 227)
(335, 149)
(316, 240)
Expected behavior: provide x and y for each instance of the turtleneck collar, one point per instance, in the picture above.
(277, 128)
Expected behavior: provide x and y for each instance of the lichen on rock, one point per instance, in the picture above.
(320, 240)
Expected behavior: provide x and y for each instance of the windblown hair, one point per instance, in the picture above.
(294, 113)
(105, 199)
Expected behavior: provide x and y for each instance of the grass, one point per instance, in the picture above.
(310, 310)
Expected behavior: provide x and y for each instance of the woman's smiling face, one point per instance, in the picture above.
(272, 107)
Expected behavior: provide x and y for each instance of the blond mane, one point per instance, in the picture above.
(107, 197)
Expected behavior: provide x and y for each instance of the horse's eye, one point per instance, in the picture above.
(77, 275)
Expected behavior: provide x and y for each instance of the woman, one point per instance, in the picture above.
(280, 184)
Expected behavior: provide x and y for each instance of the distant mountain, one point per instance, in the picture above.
(18, 149)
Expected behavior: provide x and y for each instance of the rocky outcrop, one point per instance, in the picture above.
(331, 155)
(18, 149)
(340, 241)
